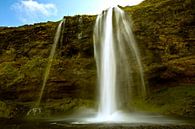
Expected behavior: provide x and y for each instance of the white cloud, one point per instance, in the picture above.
(33, 11)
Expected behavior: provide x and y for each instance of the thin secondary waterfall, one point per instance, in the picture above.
(80, 27)
(50, 59)
(119, 68)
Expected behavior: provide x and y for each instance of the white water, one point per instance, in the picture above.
(50, 60)
(108, 72)
(120, 73)
(36, 110)
(118, 63)
(80, 26)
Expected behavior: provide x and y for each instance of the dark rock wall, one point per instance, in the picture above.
(24, 55)
(78, 37)
(165, 33)
(166, 28)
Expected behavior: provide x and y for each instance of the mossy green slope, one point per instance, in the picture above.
(24, 56)
(165, 33)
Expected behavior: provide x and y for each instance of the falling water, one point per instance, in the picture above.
(80, 27)
(36, 110)
(119, 67)
(50, 59)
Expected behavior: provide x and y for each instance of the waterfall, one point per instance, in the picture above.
(80, 24)
(36, 110)
(50, 59)
(119, 68)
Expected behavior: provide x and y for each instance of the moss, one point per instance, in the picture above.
(9, 74)
(177, 101)
(159, 27)
(34, 68)
(164, 31)
(4, 110)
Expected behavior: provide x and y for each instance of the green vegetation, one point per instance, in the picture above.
(175, 100)
(164, 30)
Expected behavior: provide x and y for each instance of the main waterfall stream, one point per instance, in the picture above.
(117, 60)
(119, 71)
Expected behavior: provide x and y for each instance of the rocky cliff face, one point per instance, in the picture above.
(165, 33)
(24, 56)
(166, 29)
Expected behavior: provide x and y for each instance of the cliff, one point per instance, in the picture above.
(165, 33)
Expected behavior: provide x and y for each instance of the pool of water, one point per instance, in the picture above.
(91, 121)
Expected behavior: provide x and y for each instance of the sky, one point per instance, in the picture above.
(20, 12)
